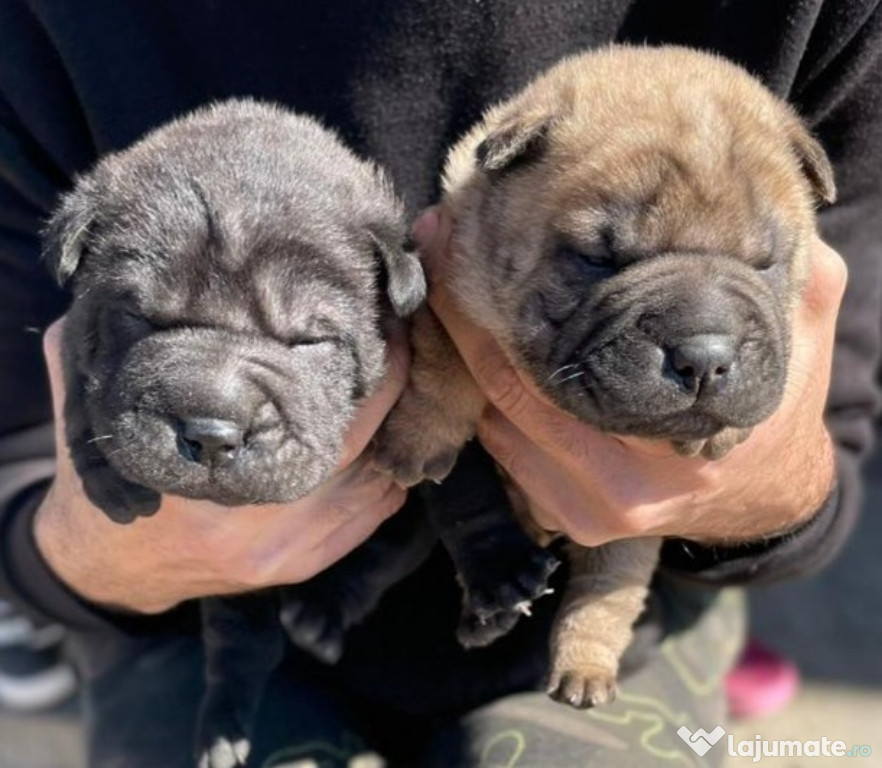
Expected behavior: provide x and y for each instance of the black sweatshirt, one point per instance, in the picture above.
(401, 81)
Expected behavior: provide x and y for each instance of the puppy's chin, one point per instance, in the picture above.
(658, 411)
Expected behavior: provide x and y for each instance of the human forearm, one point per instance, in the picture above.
(598, 487)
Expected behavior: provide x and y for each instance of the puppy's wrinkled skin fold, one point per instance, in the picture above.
(226, 273)
(236, 274)
(633, 229)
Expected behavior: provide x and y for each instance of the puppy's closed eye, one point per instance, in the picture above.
(318, 331)
(311, 341)
(597, 257)
(135, 324)
(766, 263)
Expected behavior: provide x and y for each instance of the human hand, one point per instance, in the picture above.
(597, 487)
(195, 548)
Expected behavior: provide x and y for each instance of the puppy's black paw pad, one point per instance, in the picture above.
(510, 585)
(480, 631)
(582, 689)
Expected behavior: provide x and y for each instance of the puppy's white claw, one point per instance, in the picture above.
(226, 754)
(366, 760)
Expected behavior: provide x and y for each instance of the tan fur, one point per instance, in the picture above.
(606, 148)
(605, 594)
(662, 162)
(437, 412)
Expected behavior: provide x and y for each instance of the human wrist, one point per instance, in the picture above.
(801, 551)
(79, 591)
(25, 574)
(56, 541)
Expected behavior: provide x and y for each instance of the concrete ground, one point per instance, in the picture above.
(41, 741)
(831, 626)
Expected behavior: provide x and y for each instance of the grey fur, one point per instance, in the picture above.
(238, 265)
(226, 266)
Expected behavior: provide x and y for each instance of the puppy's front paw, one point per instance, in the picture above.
(502, 590)
(222, 742)
(122, 501)
(480, 631)
(418, 442)
(317, 613)
(412, 460)
(582, 688)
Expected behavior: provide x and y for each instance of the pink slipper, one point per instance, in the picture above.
(762, 683)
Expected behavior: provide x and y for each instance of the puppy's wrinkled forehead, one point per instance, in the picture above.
(650, 151)
(684, 180)
(196, 252)
(233, 216)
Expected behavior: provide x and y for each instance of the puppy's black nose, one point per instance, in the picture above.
(209, 441)
(703, 363)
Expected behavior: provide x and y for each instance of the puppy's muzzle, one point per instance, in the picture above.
(679, 345)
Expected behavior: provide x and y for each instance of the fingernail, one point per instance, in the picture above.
(425, 227)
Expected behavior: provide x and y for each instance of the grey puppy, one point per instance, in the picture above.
(226, 272)
(235, 276)
(633, 229)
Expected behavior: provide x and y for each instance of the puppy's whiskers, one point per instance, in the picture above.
(100, 437)
(572, 376)
(559, 371)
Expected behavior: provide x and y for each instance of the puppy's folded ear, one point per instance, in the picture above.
(519, 138)
(405, 281)
(815, 163)
(64, 238)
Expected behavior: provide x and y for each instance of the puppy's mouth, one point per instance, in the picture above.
(213, 460)
(687, 390)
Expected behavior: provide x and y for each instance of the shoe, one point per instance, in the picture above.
(762, 682)
(33, 674)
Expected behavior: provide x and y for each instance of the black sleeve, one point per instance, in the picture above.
(839, 92)
(28, 303)
(37, 135)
